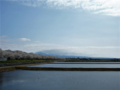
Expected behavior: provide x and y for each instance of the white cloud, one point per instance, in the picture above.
(107, 7)
(33, 46)
(25, 39)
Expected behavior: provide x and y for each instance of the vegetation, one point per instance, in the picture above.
(19, 61)
(92, 60)
(20, 56)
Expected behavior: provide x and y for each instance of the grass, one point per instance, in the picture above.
(20, 61)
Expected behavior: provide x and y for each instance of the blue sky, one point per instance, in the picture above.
(70, 27)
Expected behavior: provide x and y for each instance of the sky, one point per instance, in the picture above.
(66, 27)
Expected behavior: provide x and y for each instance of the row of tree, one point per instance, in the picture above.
(93, 59)
(20, 55)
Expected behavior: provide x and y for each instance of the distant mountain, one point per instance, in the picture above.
(60, 55)
(64, 54)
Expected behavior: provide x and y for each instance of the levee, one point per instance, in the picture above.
(67, 69)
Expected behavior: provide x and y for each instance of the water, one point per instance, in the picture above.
(81, 65)
(63, 80)
(60, 80)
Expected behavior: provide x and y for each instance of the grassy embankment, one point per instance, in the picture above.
(22, 61)
(18, 61)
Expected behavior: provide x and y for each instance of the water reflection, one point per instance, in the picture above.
(60, 80)
(1, 81)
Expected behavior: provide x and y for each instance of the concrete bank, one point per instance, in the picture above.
(67, 69)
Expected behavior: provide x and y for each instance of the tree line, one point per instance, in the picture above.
(92, 59)
(20, 55)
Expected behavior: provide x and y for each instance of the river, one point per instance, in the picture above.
(60, 80)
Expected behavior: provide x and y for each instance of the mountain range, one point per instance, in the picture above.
(64, 54)
(60, 53)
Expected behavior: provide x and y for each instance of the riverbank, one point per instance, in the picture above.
(11, 68)
(24, 66)
(24, 62)
(67, 69)
(11, 65)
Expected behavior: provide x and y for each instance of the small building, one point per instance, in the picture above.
(3, 59)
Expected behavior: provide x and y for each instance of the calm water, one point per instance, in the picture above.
(81, 64)
(60, 80)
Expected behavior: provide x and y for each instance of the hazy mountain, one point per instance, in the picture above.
(66, 54)
(60, 53)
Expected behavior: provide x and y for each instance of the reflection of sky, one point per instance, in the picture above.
(76, 27)
(4, 78)
(60, 80)
(1, 76)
